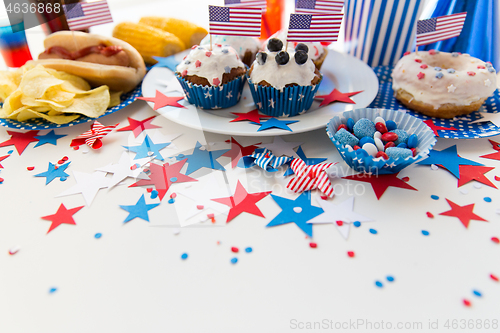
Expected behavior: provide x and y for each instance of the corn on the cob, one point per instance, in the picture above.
(189, 33)
(149, 41)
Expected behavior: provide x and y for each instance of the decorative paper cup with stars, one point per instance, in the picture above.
(362, 161)
(288, 102)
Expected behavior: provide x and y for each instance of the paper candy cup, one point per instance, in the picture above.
(213, 97)
(289, 102)
(358, 160)
(380, 32)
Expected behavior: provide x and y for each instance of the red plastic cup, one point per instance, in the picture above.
(13, 45)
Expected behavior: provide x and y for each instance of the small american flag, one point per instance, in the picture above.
(83, 15)
(246, 3)
(235, 21)
(314, 27)
(318, 6)
(439, 28)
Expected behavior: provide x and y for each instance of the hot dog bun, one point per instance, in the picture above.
(117, 78)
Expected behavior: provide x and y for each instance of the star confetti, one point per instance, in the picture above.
(253, 116)
(381, 183)
(341, 215)
(168, 62)
(50, 137)
(495, 155)
(126, 167)
(20, 140)
(54, 172)
(337, 96)
(298, 211)
(310, 177)
(280, 147)
(242, 202)
(202, 158)
(92, 137)
(62, 215)
(463, 213)
(307, 160)
(3, 158)
(171, 85)
(276, 123)
(163, 176)
(148, 148)
(137, 126)
(474, 172)
(448, 159)
(160, 101)
(139, 210)
(489, 116)
(436, 128)
(88, 184)
(237, 151)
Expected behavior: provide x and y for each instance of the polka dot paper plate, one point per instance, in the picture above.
(41, 124)
(465, 129)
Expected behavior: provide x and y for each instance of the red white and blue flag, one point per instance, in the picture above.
(318, 6)
(246, 3)
(314, 27)
(439, 28)
(235, 21)
(83, 15)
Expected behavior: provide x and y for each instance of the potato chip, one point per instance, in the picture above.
(30, 114)
(36, 82)
(13, 102)
(92, 104)
(9, 82)
(114, 98)
(59, 96)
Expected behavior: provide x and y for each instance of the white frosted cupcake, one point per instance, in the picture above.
(246, 47)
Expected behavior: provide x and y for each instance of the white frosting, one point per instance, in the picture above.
(240, 44)
(458, 88)
(280, 75)
(315, 51)
(210, 64)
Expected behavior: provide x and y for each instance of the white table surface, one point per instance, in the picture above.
(133, 279)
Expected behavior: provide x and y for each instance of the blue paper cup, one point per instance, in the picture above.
(213, 97)
(360, 161)
(380, 32)
(288, 102)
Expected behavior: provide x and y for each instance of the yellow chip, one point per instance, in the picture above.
(114, 99)
(59, 96)
(92, 105)
(13, 102)
(36, 82)
(30, 114)
(9, 81)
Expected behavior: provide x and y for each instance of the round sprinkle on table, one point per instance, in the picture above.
(464, 191)
(234, 260)
(495, 240)
(173, 179)
(184, 256)
(494, 277)
(379, 284)
(248, 249)
(63, 179)
(477, 185)
(52, 290)
(390, 278)
(434, 167)
(154, 194)
(466, 302)
(235, 249)
(434, 197)
(98, 235)
(373, 231)
(313, 245)
(350, 254)
(425, 233)
(477, 293)
(30, 168)
(171, 201)
(487, 199)
(429, 215)
(357, 224)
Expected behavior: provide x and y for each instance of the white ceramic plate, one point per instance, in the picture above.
(341, 71)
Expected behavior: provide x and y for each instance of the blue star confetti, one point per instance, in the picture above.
(449, 159)
(298, 211)
(204, 159)
(168, 62)
(50, 137)
(307, 160)
(147, 148)
(140, 210)
(54, 172)
(276, 123)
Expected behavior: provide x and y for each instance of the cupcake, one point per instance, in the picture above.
(212, 79)
(283, 83)
(246, 47)
(316, 52)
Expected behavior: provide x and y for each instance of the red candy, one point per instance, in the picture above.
(381, 127)
(420, 75)
(235, 249)
(414, 151)
(389, 145)
(382, 154)
(418, 60)
(344, 126)
(471, 73)
(423, 66)
(389, 136)
(356, 147)
(216, 81)
(350, 254)
(313, 245)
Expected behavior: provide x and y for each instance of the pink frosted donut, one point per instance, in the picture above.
(442, 84)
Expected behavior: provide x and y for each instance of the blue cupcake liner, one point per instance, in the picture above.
(213, 97)
(288, 102)
(360, 161)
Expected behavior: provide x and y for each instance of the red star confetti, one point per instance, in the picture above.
(138, 126)
(160, 101)
(474, 172)
(162, 176)
(92, 137)
(381, 183)
(20, 140)
(242, 201)
(337, 96)
(63, 215)
(495, 155)
(238, 151)
(1, 159)
(253, 116)
(463, 213)
(436, 128)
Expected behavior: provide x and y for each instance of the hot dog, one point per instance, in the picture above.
(97, 59)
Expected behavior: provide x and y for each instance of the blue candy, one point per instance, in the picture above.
(396, 152)
(412, 141)
(437, 69)
(366, 139)
(364, 127)
(346, 138)
(391, 125)
(451, 70)
(402, 145)
(402, 136)
(439, 75)
(350, 124)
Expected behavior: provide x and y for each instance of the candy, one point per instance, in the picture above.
(388, 145)
(390, 136)
(366, 139)
(402, 136)
(346, 138)
(370, 148)
(412, 141)
(391, 125)
(350, 124)
(395, 152)
(379, 120)
(344, 126)
(379, 144)
(382, 154)
(380, 127)
(364, 127)
(377, 135)
(402, 145)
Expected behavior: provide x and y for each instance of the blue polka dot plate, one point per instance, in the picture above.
(465, 129)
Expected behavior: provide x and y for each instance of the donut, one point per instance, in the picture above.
(442, 84)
